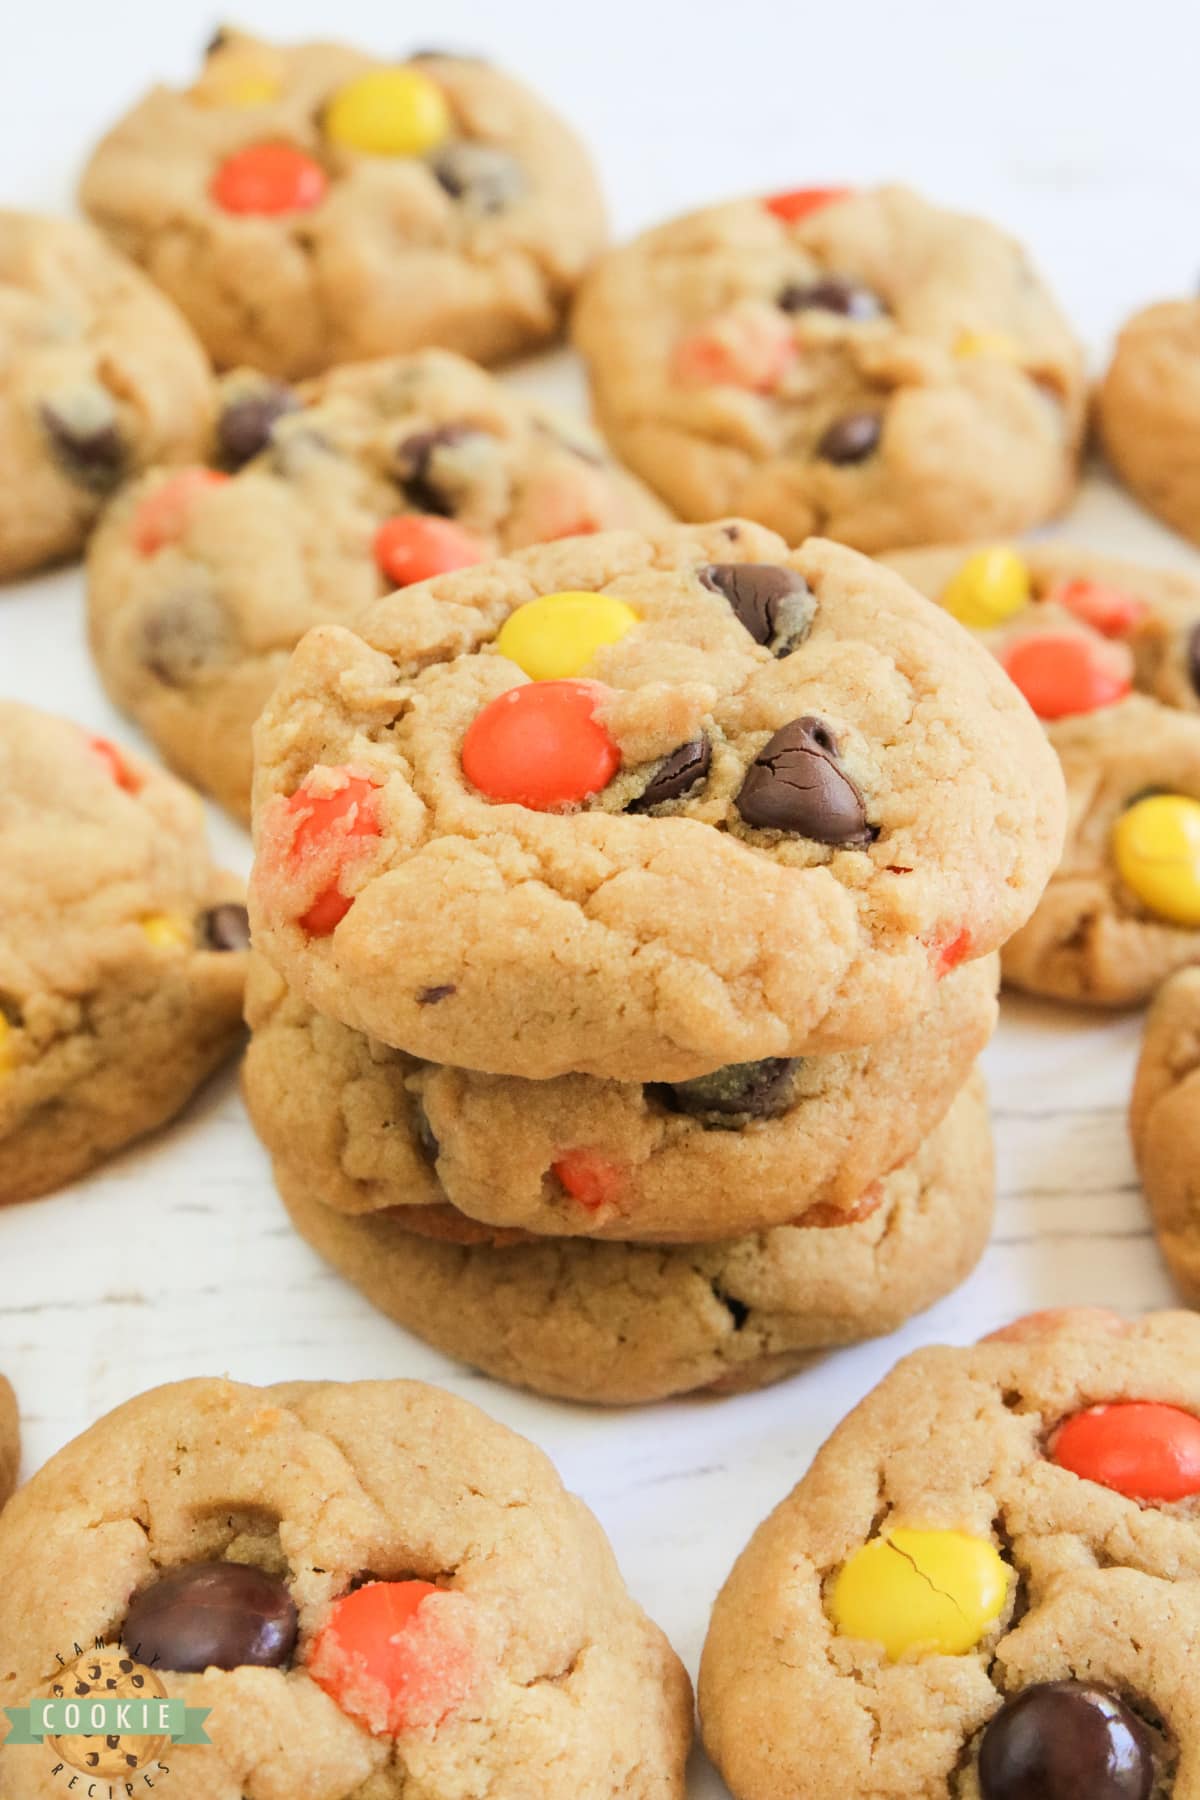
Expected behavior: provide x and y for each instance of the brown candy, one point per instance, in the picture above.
(832, 294)
(775, 604)
(676, 775)
(739, 1091)
(1065, 1740)
(213, 1615)
(796, 784)
(851, 439)
(225, 927)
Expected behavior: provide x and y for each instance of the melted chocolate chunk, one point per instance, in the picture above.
(1066, 1740)
(430, 1148)
(84, 433)
(739, 1091)
(832, 294)
(213, 1615)
(1193, 659)
(851, 439)
(244, 427)
(415, 465)
(676, 775)
(776, 605)
(183, 634)
(225, 927)
(796, 784)
(431, 996)
(476, 175)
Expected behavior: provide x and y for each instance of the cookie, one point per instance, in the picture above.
(1108, 653)
(753, 802)
(122, 950)
(1148, 411)
(364, 480)
(987, 1587)
(10, 1440)
(617, 1324)
(860, 364)
(310, 205)
(100, 377)
(1164, 1123)
(374, 1588)
(782, 1142)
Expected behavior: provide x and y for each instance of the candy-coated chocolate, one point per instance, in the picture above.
(114, 762)
(589, 1177)
(1156, 847)
(737, 349)
(952, 951)
(1112, 611)
(988, 589)
(799, 203)
(1065, 672)
(556, 636)
(923, 1591)
(1141, 1448)
(541, 746)
(212, 1615)
(330, 818)
(269, 179)
(168, 933)
(387, 1657)
(412, 548)
(161, 517)
(988, 343)
(1065, 1740)
(389, 112)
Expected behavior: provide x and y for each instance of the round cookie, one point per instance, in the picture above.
(122, 950)
(1148, 411)
(1108, 652)
(763, 816)
(860, 364)
(10, 1440)
(1164, 1122)
(373, 1587)
(310, 205)
(788, 1141)
(359, 482)
(617, 1324)
(99, 378)
(992, 1560)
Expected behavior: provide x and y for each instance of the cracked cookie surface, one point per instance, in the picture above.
(10, 1440)
(123, 950)
(448, 206)
(862, 365)
(99, 378)
(1108, 651)
(783, 1142)
(869, 803)
(1165, 1125)
(1148, 411)
(995, 1458)
(423, 455)
(528, 1667)
(618, 1323)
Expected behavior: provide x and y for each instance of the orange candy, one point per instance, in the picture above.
(798, 203)
(391, 1661)
(327, 824)
(588, 1177)
(268, 179)
(1109, 610)
(952, 951)
(1140, 1448)
(1030, 1327)
(412, 547)
(541, 746)
(162, 516)
(115, 763)
(1061, 673)
(736, 349)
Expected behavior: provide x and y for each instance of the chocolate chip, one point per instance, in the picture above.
(217, 41)
(739, 1091)
(225, 927)
(84, 432)
(849, 298)
(1193, 659)
(426, 1137)
(430, 996)
(415, 463)
(737, 1309)
(851, 439)
(676, 775)
(478, 176)
(213, 1615)
(182, 634)
(1066, 1740)
(244, 427)
(776, 605)
(796, 784)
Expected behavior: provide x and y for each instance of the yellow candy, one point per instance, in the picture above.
(929, 1591)
(556, 637)
(1156, 844)
(166, 933)
(988, 343)
(389, 112)
(989, 588)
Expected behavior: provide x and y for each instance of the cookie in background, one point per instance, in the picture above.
(1164, 1123)
(1148, 411)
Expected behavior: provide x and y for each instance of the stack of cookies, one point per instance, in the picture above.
(625, 914)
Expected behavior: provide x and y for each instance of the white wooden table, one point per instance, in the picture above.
(176, 1259)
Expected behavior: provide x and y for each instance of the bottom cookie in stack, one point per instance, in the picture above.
(616, 1322)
